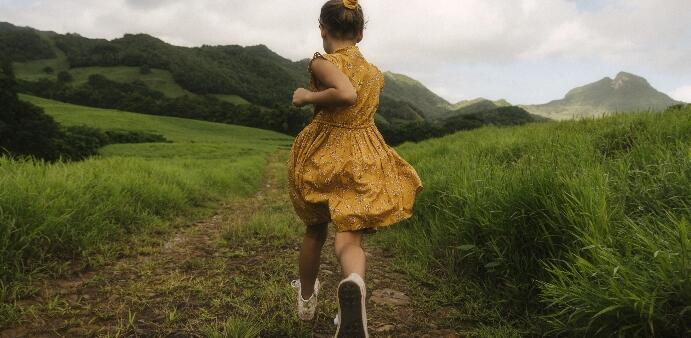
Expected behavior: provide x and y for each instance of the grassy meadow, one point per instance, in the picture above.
(178, 130)
(160, 79)
(55, 212)
(34, 70)
(577, 228)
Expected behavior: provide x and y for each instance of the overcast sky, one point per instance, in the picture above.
(527, 51)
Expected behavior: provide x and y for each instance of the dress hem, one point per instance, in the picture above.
(376, 226)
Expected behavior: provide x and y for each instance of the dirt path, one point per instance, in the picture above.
(227, 276)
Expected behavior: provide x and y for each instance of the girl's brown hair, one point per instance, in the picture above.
(340, 21)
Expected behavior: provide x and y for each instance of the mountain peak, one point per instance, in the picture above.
(624, 79)
(623, 74)
(625, 93)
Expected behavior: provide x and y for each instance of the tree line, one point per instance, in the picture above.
(417, 131)
(99, 91)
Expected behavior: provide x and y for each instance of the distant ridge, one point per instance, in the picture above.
(404, 88)
(625, 93)
(465, 103)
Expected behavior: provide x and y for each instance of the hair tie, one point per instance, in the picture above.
(350, 4)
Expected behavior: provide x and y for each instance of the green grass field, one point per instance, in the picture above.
(54, 213)
(158, 79)
(34, 70)
(577, 228)
(175, 129)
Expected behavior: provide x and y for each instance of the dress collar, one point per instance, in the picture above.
(345, 49)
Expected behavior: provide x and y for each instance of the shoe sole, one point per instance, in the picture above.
(350, 305)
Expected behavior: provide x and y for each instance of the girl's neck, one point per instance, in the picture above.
(335, 45)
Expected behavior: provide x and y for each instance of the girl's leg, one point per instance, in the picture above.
(310, 257)
(350, 253)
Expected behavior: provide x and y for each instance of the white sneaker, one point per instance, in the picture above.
(352, 315)
(306, 308)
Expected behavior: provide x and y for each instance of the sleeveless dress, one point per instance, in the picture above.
(340, 169)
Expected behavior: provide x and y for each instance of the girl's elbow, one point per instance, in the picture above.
(350, 98)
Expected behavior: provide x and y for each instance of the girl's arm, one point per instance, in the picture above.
(338, 89)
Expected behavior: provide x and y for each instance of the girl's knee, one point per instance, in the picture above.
(318, 231)
(344, 240)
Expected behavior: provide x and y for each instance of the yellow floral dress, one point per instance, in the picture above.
(340, 168)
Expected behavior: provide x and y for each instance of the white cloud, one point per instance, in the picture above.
(415, 37)
(148, 4)
(682, 94)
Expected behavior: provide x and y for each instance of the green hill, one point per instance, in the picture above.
(235, 74)
(470, 107)
(483, 112)
(192, 133)
(625, 93)
(254, 73)
(466, 119)
(465, 103)
(393, 111)
(23, 44)
(398, 87)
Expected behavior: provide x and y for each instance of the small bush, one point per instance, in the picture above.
(232, 328)
(65, 77)
(144, 70)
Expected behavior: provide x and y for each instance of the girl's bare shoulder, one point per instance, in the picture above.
(320, 58)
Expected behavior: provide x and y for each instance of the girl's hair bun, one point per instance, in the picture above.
(350, 4)
(343, 18)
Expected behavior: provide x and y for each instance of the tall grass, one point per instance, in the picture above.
(59, 211)
(584, 223)
(53, 213)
